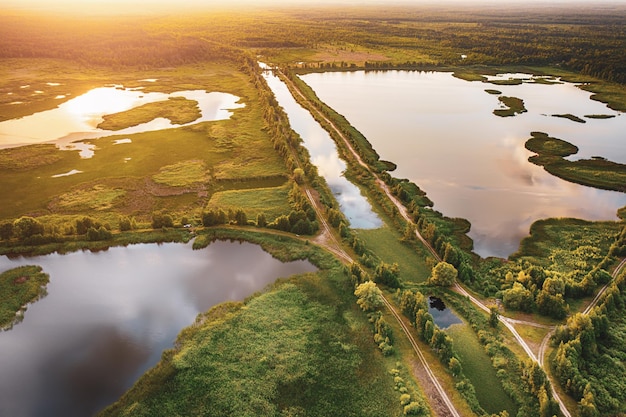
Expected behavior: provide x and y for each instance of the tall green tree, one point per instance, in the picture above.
(26, 226)
(443, 274)
(369, 296)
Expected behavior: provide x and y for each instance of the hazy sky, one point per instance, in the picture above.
(134, 6)
(225, 3)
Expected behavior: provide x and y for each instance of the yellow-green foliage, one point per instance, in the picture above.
(278, 355)
(387, 245)
(97, 197)
(182, 174)
(567, 245)
(22, 158)
(178, 110)
(235, 149)
(478, 369)
(273, 202)
(18, 287)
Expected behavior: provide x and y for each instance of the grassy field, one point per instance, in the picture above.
(386, 244)
(178, 110)
(301, 347)
(478, 369)
(19, 287)
(176, 169)
(551, 239)
(272, 202)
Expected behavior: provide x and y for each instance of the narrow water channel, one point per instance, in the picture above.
(325, 157)
(109, 315)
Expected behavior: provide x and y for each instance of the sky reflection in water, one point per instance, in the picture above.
(79, 117)
(442, 133)
(324, 156)
(109, 315)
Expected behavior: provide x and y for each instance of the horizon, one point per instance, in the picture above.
(107, 7)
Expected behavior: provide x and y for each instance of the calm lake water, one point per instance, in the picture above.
(109, 315)
(324, 156)
(79, 117)
(443, 136)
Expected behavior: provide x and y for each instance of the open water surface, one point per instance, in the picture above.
(325, 157)
(443, 135)
(109, 315)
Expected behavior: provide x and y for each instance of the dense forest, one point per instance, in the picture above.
(582, 38)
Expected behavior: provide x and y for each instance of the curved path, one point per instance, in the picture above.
(507, 322)
(441, 404)
(614, 275)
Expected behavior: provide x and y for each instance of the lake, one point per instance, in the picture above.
(109, 315)
(443, 135)
(324, 156)
(78, 118)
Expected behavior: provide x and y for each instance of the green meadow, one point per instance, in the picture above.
(478, 369)
(176, 169)
(19, 287)
(301, 347)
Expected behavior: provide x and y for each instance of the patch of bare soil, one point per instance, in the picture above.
(20, 280)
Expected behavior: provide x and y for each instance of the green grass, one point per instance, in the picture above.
(478, 369)
(96, 198)
(182, 174)
(513, 81)
(595, 172)
(178, 110)
(571, 117)
(301, 347)
(610, 93)
(469, 76)
(28, 157)
(565, 235)
(542, 144)
(153, 169)
(515, 106)
(273, 202)
(386, 244)
(19, 287)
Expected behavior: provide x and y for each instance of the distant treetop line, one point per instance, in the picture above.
(586, 38)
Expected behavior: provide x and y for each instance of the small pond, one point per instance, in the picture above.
(325, 157)
(442, 316)
(109, 315)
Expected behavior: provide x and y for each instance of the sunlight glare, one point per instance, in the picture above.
(103, 100)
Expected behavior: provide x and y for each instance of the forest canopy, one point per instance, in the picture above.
(580, 37)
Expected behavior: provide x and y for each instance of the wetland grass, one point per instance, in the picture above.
(178, 110)
(513, 106)
(19, 287)
(596, 172)
(301, 340)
